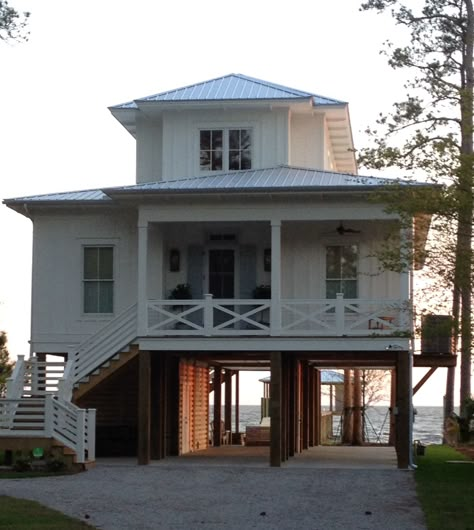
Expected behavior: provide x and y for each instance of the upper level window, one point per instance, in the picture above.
(341, 271)
(98, 280)
(225, 149)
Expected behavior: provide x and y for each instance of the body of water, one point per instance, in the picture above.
(427, 427)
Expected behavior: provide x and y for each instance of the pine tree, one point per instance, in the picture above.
(6, 366)
(431, 131)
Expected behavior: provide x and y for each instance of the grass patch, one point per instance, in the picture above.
(20, 514)
(445, 490)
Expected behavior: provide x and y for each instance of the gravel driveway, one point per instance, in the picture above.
(188, 496)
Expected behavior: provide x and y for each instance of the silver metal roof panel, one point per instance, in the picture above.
(231, 87)
(69, 196)
(270, 179)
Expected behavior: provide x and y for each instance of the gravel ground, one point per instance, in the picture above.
(188, 496)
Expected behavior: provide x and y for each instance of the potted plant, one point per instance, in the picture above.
(181, 292)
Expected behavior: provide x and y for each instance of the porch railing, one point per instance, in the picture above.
(290, 317)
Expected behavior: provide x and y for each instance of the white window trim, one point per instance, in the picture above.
(224, 126)
(98, 242)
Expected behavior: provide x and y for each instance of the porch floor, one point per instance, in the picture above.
(329, 457)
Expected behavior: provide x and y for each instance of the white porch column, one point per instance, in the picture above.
(275, 308)
(142, 278)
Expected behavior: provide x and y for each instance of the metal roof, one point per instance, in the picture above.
(231, 87)
(328, 377)
(68, 196)
(266, 180)
(269, 180)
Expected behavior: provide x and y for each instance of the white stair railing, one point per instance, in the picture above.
(72, 426)
(16, 381)
(110, 339)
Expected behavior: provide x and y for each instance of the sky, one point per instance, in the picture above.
(57, 134)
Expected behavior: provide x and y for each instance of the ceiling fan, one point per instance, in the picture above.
(341, 230)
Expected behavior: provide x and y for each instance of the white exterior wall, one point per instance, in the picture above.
(57, 317)
(170, 149)
(149, 146)
(307, 141)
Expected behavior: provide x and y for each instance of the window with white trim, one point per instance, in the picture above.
(225, 149)
(341, 271)
(98, 279)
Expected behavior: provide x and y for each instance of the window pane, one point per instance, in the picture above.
(333, 258)
(246, 160)
(91, 297)
(234, 160)
(91, 263)
(349, 262)
(106, 263)
(234, 139)
(245, 139)
(216, 140)
(205, 160)
(349, 288)
(106, 293)
(216, 160)
(205, 140)
(332, 288)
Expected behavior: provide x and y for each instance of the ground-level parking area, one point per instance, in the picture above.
(192, 492)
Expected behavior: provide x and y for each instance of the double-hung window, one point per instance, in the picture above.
(341, 271)
(98, 279)
(225, 149)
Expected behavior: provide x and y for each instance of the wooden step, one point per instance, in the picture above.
(105, 371)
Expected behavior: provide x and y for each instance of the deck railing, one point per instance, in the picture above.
(290, 317)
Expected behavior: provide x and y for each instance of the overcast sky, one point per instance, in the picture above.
(57, 134)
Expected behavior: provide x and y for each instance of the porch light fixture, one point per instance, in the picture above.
(267, 260)
(174, 260)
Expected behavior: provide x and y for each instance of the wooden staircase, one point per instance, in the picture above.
(104, 371)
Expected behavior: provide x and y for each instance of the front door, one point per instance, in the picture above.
(221, 272)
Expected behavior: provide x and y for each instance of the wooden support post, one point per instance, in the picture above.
(291, 407)
(217, 421)
(237, 406)
(172, 406)
(357, 408)
(317, 407)
(393, 402)
(158, 408)
(305, 404)
(347, 415)
(284, 407)
(144, 407)
(403, 408)
(228, 401)
(275, 409)
(423, 380)
(311, 406)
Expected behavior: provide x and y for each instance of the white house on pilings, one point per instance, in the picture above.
(248, 241)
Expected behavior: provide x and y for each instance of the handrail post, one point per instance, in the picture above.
(208, 315)
(16, 381)
(91, 419)
(81, 435)
(33, 375)
(48, 416)
(339, 314)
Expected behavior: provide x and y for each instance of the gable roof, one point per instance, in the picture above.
(231, 87)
